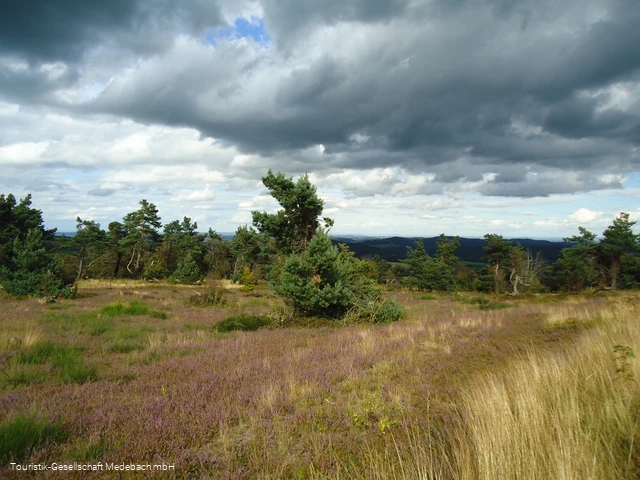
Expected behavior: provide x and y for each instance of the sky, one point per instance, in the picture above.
(412, 117)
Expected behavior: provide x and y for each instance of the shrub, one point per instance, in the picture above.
(243, 322)
(379, 310)
(213, 297)
(187, 271)
(248, 280)
(325, 281)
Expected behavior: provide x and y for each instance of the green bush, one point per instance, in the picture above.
(243, 322)
(213, 297)
(324, 281)
(248, 280)
(379, 310)
(154, 271)
(187, 271)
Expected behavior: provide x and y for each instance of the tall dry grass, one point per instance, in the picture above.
(570, 413)
(564, 415)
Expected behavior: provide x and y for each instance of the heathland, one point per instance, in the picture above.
(222, 383)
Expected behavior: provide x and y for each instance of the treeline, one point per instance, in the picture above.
(609, 263)
(292, 251)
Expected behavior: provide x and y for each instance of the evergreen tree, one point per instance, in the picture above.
(248, 248)
(433, 274)
(179, 240)
(416, 261)
(297, 222)
(115, 247)
(16, 219)
(92, 242)
(446, 250)
(32, 270)
(497, 256)
(311, 280)
(218, 256)
(142, 234)
(618, 240)
(187, 271)
(577, 266)
(327, 281)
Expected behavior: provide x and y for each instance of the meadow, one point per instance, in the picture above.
(465, 386)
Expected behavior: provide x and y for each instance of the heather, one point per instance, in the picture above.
(245, 390)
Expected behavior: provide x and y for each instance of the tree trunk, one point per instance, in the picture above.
(133, 254)
(116, 270)
(614, 271)
(79, 275)
(80, 263)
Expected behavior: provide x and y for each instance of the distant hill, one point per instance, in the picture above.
(394, 249)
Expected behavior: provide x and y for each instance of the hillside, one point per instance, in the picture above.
(394, 249)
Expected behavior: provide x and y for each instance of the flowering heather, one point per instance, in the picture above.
(333, 401)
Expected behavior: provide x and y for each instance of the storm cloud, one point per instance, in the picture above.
(490, 98)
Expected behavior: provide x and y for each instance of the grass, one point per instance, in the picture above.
(86, 452)
(22, 434)
(425, 296)
(246, 323)
(576, 418)
(17, 375)
(19, 335)
(38, 354)
(67, 361)
(454, 390)
(482, 302)
(133, 308)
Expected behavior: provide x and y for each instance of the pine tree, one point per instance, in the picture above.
(618, 240)
(32, 270)
(297, 222)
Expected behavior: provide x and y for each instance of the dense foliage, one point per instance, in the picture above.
(292, 251)
(27, 267)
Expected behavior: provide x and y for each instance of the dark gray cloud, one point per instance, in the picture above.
(549, 183)
(288, 19)
(457, 89)
(63, 30)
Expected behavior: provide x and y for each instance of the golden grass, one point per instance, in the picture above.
(570, 413)
(562, 416)
(20, 335)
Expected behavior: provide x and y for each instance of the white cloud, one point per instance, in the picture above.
(206, 195)
(23, 153)
(584, 215)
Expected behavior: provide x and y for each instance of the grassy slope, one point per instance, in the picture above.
(450, 392)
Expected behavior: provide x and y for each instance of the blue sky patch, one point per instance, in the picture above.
(253, 28)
